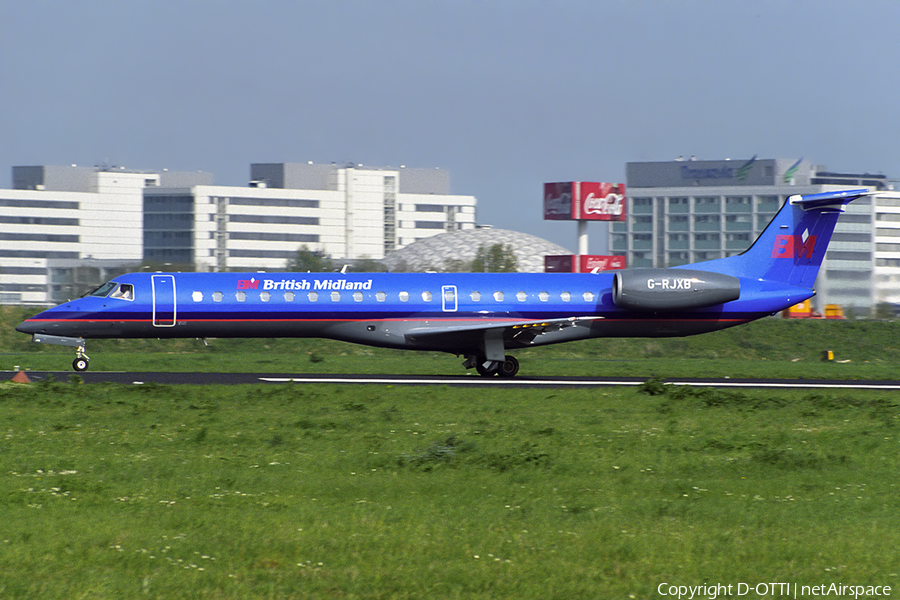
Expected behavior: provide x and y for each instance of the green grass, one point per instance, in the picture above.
(379, 492)
(390, 492)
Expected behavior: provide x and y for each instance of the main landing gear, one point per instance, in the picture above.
(506, 368)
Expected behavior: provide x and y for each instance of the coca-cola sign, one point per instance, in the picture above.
(584, 200)
(601, 201)
(558, 201)
(601, 263)
(585, 263)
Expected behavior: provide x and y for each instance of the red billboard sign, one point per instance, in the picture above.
(601, 263)
(584, 201)
(585, 263)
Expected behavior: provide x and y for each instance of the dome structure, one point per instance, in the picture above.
(436, 252)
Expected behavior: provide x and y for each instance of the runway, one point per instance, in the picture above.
(169, 378)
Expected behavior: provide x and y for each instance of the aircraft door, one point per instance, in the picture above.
(163, 300)
(448, 298)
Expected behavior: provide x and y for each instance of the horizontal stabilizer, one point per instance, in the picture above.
(828, 199)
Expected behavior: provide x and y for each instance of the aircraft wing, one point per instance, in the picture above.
(473, 333)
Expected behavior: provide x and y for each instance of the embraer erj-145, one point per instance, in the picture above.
(480, 316)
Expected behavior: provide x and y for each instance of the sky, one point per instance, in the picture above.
(505, 95)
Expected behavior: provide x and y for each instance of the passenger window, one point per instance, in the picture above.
(335, 296)
(241, 296)
(566, 296)
(217, 296)
(404, 296)
(544, 296)
(265, 296)
(589, 296)
(357, 296)
(289, 296)
(380, 296)
(498, 296)
(521, 296)
(313, 296)
(475, 296)
(426, 296)
(197, 296)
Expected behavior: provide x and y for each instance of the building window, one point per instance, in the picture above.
(429, 225)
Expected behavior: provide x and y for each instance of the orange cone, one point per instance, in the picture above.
(21, 377)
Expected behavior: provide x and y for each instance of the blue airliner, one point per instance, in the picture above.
(479, 316)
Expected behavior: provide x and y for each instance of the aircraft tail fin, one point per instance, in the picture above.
(793, 245)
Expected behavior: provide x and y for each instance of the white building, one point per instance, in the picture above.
(681, 212)
(57, 218)
(64, 229)
(346, 212)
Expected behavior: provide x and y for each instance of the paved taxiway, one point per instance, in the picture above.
(460, 380)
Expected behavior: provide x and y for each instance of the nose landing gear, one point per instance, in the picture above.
(81, 360)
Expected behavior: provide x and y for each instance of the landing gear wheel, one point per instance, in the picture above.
(484, 371)
(509, 367)
(80, 364)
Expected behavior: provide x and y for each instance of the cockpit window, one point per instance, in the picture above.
(104, 290)
(124, 292)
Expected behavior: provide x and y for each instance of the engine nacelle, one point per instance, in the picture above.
(672, 289)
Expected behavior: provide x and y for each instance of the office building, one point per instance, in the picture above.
(348, 212)
(64, 230)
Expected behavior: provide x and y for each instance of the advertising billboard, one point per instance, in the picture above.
(585, 263)
(584, 201)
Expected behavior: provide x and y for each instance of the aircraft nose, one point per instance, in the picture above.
(29, 327)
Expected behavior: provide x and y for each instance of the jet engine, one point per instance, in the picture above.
(672, 289)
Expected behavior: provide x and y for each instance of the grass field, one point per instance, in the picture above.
(379, 492)
(371, 492)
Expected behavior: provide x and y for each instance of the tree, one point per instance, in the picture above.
(365, 265)
(457, 265)
(313, 261)
(497, 258)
